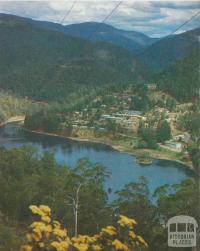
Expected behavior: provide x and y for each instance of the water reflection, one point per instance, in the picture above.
(122, 166)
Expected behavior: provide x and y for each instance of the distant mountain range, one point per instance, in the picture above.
(130, 40)
(45, 64)
(45, 60)
(152, 52)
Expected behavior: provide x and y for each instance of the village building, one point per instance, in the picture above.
(174, 145)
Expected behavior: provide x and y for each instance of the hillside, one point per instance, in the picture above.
(45, 64)
(167, 51)
(182, 78)
(130, 40)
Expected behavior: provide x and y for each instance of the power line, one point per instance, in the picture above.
(186, 22)
(68, 12)
(105, 19)
(171, 33)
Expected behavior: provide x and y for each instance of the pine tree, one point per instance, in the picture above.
(163, 131)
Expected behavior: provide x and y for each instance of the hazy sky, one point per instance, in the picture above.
(154, 18)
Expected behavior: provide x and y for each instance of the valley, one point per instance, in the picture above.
(99, 124)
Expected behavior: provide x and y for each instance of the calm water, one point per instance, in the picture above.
(122, 166)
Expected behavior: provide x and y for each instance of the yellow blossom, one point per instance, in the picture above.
(96, 248)
(126, 222)
(41, 244)
(132, 234)
(46, 219)
(48, 235)
(142, 240)
(60, 233)
(29, 237)
(56, 224)
(36, 237)
(119, 245)
(110, 230)
(57, 246)
(45, 209)
(81, 246)
(26, 248)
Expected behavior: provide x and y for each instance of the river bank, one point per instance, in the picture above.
(121, 146)
(19, 118)
(118, 145)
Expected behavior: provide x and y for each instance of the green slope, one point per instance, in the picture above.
(168, 50)
(182, 79)
(45, 64)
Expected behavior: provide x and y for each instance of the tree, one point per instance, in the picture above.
(67, 127)
(46, 120)
(195, 125)
(178, 199)
(139, 103)
(112, 127)
(194, 152)
(171, 103)
(148, 136)
(86, 179)
(163, 131)
(27, 178)
(47, 234)
(134, 201)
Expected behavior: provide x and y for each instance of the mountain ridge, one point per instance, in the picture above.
(130, 40)
(45, 64)
(168, 50)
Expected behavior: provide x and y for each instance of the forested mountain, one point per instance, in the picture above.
(130, 40)
(182, 78)
(45, 64)
(166, 51)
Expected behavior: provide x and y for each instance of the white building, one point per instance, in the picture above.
(173, 145)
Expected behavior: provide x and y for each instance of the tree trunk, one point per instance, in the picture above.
(76, 222)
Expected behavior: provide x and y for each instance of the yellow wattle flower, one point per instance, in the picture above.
(81, 246)
(45, 209)
(110, 230)
(29, 237)
(46, 219)
(60, 233)
(48, 235)
(126, 222)
(142, 240)
(26, 248)
(41, 244)
(132, 235)
(118, 245)
(96, 248)
(56, 224)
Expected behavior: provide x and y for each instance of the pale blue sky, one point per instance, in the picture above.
(154, 18)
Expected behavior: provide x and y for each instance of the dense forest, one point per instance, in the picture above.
(44, 64)
(30, 179)
(49, 65)
(168, 50)
(182, 79)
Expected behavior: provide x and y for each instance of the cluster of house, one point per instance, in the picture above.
(126, 118)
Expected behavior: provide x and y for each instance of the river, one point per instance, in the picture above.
(122, 166)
